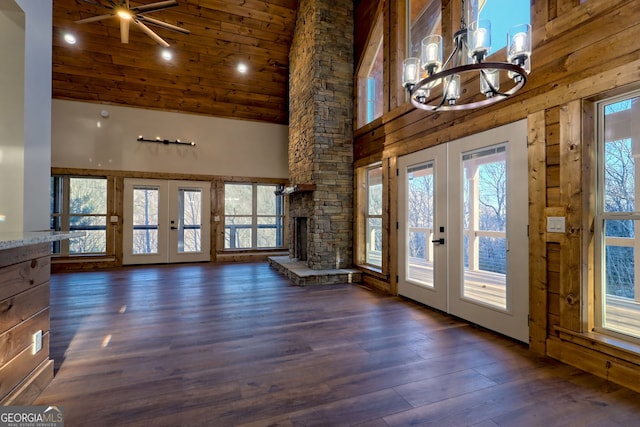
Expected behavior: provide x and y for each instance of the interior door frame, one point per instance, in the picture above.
(167, 243)
(513, 321)
(436, 296)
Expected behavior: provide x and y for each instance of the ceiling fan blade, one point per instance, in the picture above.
(151, 34)
(94, 19)
(96, 3)
(124, 31)
(163, 24)
(152, 7)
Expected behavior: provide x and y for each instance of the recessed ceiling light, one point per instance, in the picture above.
(167, 55)
(242, 68)
(70, 38)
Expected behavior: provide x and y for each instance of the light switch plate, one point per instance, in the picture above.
(556, 224)
(37, 342)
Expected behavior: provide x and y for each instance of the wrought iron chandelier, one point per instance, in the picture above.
(471, 46)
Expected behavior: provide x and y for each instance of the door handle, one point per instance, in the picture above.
(174, 228)
(440, 241)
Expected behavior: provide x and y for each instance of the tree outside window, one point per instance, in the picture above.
(617, 216)
(80, 204)
(254, 216)
(373, 217)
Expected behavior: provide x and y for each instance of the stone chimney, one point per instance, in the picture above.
(321, 134)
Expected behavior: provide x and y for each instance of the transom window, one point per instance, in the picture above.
(504, 15)
(79, 204)
(618, 216)
(425, 18)
(370, 77)
(253, 216)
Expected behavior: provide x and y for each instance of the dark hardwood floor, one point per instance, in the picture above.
(237, 344)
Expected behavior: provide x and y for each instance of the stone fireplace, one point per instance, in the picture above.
(321, 135)
(300, 238)
(321, 132)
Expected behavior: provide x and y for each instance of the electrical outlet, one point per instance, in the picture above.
(37, 342)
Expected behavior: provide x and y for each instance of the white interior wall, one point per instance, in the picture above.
(83, 138)
(12, 49)
(25, 114)
(37, 107)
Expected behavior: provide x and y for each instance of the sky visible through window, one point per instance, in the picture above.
(503, 15)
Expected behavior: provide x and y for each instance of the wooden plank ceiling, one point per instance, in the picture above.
(201, 78)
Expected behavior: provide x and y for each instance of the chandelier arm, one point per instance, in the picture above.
(444, 98)
(483, 75)
(456, 49)
(428, 81)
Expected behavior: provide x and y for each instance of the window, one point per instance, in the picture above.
(373, 217)
(253, 216)
(425, 18)
(617, 247)
(79, 204)
(502, 18)
(370, 77)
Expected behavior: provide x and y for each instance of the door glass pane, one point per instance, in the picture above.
(145, 220)
(190, 220)
(420, 210)
(485, 220)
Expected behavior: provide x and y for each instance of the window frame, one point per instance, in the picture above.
(367, 216)
(369, 109)
(60, 195)
(361, 220)
(280, 217)
(600, 216)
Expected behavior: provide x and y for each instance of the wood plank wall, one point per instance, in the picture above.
(24, 310)
(115, 188)
(583, 51)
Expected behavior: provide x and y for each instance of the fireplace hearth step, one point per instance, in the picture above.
(301, 275)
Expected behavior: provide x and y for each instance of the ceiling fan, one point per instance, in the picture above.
(137, 14)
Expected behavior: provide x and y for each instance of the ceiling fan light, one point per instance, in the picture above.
(70, 38)
(124, 14)
(166, 55)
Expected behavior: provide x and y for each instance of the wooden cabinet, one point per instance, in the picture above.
(24, 311)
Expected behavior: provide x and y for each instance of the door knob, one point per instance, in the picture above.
(440, 241)
(174, 228)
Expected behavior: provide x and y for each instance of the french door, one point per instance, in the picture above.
(166, 221)
(463, 243)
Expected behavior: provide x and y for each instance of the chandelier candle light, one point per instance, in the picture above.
(471, 46)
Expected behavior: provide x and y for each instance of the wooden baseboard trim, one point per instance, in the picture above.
(604, 365)
(27, 392)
